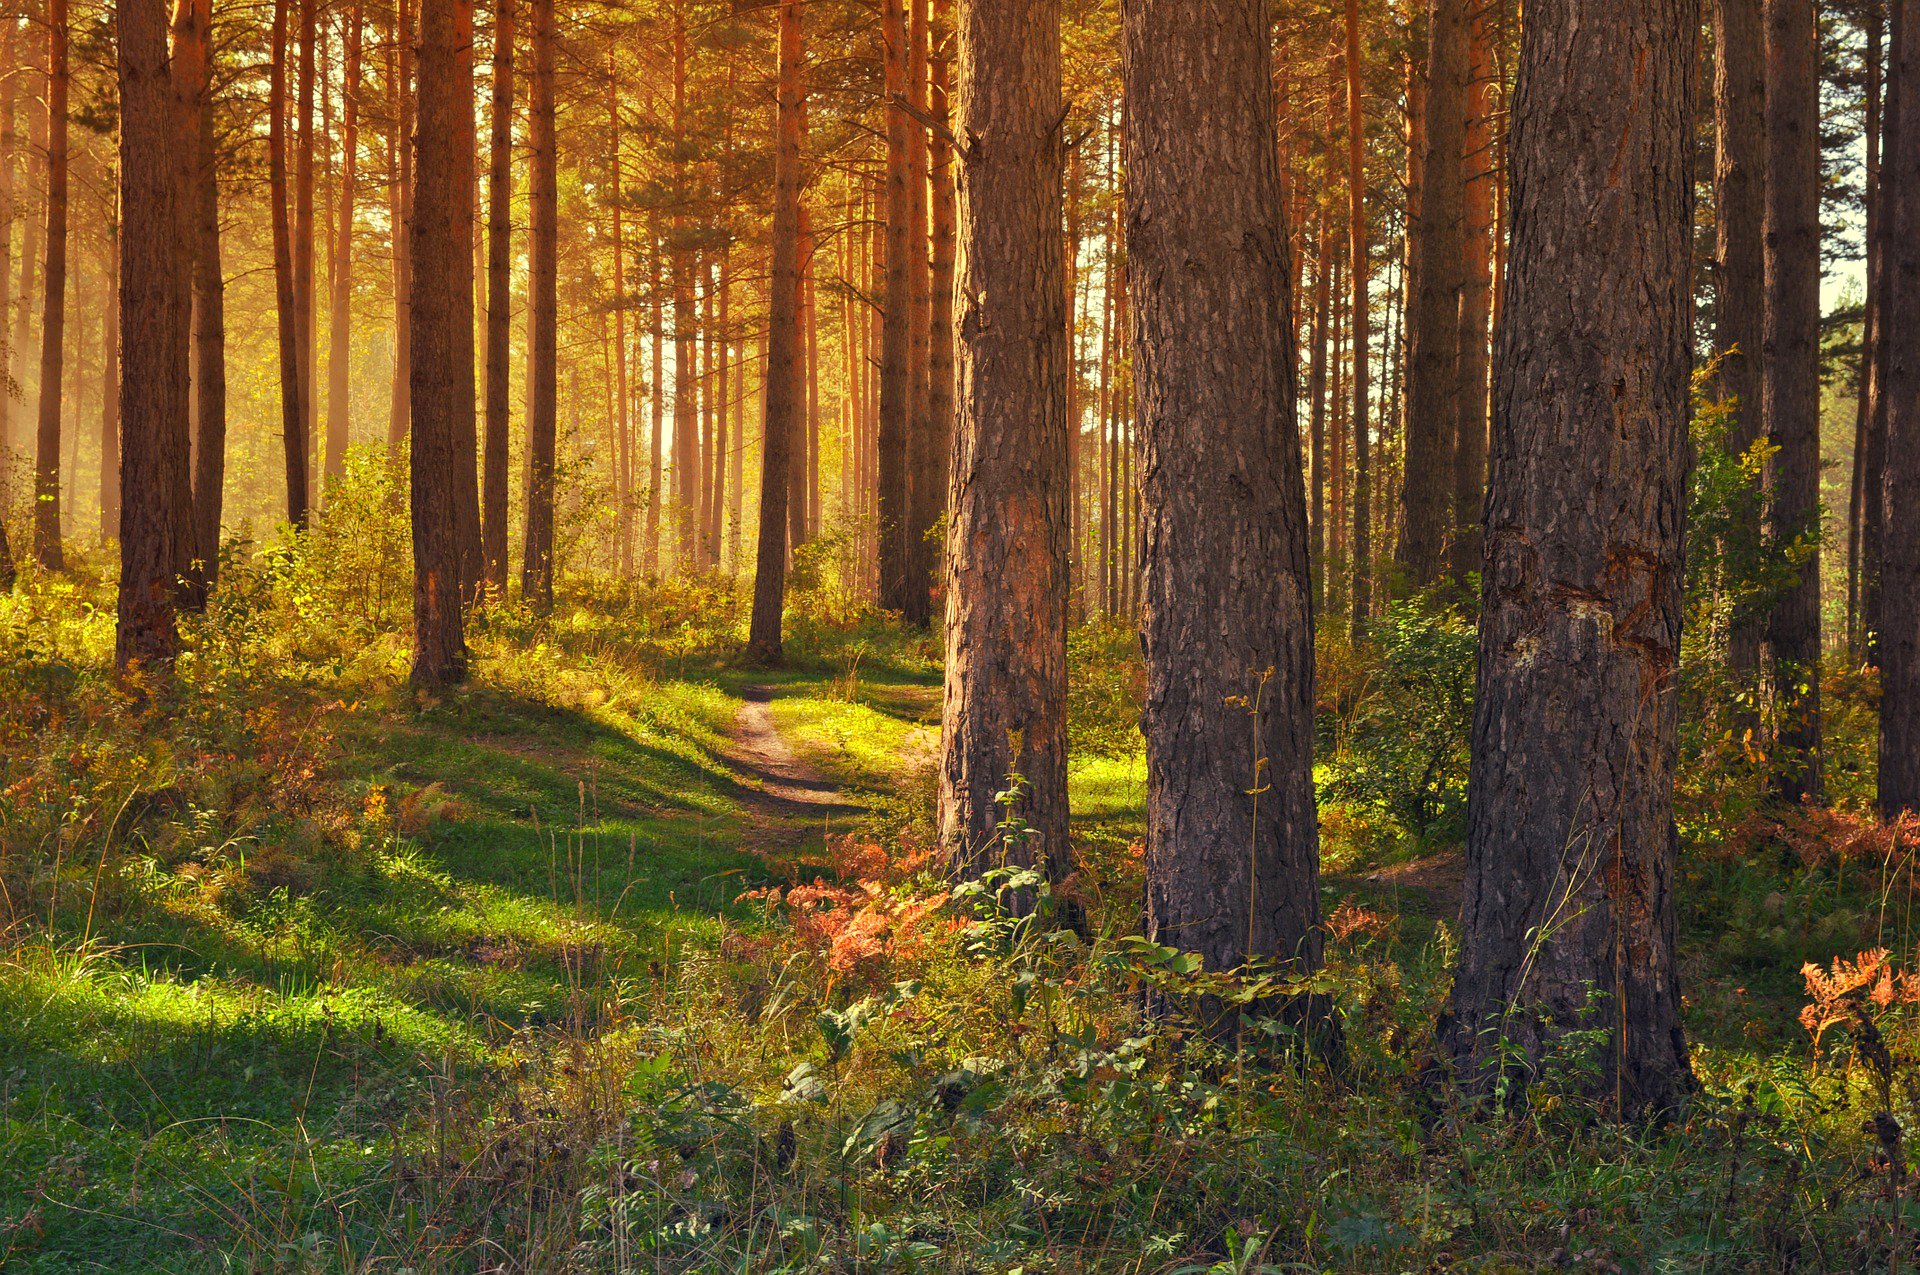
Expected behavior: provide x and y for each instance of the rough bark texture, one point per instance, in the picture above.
(1899, 645)
(543, 330)
(896, 384)
(441, 306)
(493, 528)
(1232, 839)
(1426, 504)
(1006, 571)
(1568, 917)
(53, 321)
(783, 349)
(1790, 381)
(1739, 196)
(293, 415)
(155, 524)
(209, 315)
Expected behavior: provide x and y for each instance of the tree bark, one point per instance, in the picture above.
(36, 183)
(110, 394)
(1232, 841)
(1321, 542)
(1899, 643)
(1568, 920)
(1476, 306)
(53, 322)
(400, 213)
(543, 332)
(783, 349)
(200, 206)
(340, 334)
(303, 290)
(1359, 267)
(156, 527)
(494, 480)
(1426, 505)
(10, 72)
(896, 382)
(441, 308)
(623, 406)
(1873, 20)
(1007, 563)
(1790, 383)
(926, 438)
(1740, 298)
(293, 414)
(657, 428)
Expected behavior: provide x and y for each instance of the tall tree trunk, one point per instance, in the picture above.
(737, 460)
(1321, 543)
(1873, 19)
(941, 352)
(1899, 617)
(340, 335)
(36, 185)
(1476, 307)
(53, 322)
(543, 331)
(493, 531)
(657, 424)
(293, 415)
(724, 442)
(200, 206)
(783, 348)
(896, 380)
(923, 502)
(1007, 564)
(1568, 921)
(623, 407)
(686, 444)
(10, 72)
(1790, 382)
(1359, 267)
(440, 301)
(110, 393)
(1740, 298)
(400, 214)
(156, 526)
(1427, 490)
(1232, 839)
(303, 291)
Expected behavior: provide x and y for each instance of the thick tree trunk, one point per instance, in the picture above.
(1232, 840)
(493, 530)
(200, 206)
(400, 214)
(543, 331)
(1740, 299)
(1006, 569)
(1568, 919)
(293, 414)
(340, 311)
(1426, 504)
(1359, 267)
(896, 381)
(53, 322)
(1790, 382)
(156, 527)
(441, 306)
(1476, 306)
(1899, 644)
(783, 349)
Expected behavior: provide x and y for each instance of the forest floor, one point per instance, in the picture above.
(624, 957)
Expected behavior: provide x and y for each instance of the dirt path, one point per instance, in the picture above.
(789, 802)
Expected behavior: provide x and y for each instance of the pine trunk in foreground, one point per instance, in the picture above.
(1899, 644)
(1790, 382)
(156, 527)
(493, 504)
(543, 328)
(1739, 198)
(53, 322)
(1006, 570)
(1232, 838)
(783, 351)
(440, 247)
(1568, 919)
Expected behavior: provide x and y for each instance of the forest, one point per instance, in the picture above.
(1181, 637)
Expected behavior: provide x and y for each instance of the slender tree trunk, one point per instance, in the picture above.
(737, 460)
(657, 425)
(200, 205)
(493, 530)
(400, 212)
(1740, 299)
(303, 290)
(110, 394)
(1476, 306)
(1007, 560)
(783, 348)
(36, 186)
(156, 526)
(293, 416)
(1359, 267)
(9, 210)
(1790, 381)
(1874, 21)
(941, 353)
(623, 407)
(1232, 840)
(896, 380)
(53, 322)
(1427, 489)
(1899, 617)
(1880, 266)
(923, 502)
(543, 349)
(1568, 921)
(340, 335)
(723, 440)
(1321, 543)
